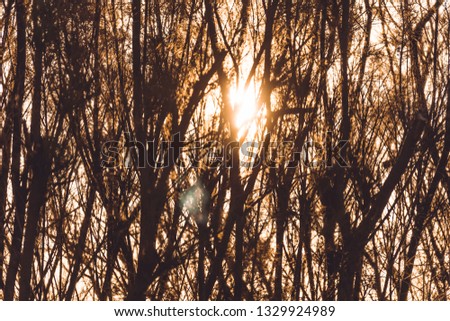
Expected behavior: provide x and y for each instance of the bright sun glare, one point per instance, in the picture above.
(245, 110)
(244, 103)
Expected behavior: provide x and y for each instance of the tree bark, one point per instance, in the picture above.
(18, 189)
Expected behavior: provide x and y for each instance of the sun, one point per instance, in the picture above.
(244, 103)
(246, 115)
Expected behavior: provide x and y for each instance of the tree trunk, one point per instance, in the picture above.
(18, 188)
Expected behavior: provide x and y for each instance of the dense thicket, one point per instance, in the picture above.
(82, 80)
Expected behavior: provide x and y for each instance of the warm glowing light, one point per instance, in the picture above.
(244, 104)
